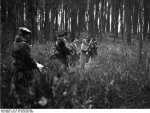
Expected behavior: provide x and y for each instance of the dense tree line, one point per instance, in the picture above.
(121, 19)
(45, 17)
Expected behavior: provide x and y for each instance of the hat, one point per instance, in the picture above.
(24, 30)
(62, 33)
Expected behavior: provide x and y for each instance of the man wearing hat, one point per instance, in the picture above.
(84, 57)
(22, 69)
(61, 50)
(93, 48)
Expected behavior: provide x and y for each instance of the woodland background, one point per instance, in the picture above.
(118, 77)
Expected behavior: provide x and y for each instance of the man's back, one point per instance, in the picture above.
(21, 52)
(62, 49)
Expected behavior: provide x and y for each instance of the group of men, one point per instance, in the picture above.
(23, 64)
(64, 50)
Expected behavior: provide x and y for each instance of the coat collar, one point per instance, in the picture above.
(20, 38)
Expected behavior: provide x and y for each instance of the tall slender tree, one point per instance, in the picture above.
(91, 17)
(81, 15)
(108, 16)
(146, 19)
(135, 16)
(128, 19)
(96, 30)
(47, 23)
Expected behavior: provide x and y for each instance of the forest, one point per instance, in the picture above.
(118, 77)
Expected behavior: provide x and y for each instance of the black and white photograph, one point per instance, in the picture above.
(74, 54)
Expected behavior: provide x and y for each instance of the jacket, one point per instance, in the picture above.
(21, 53)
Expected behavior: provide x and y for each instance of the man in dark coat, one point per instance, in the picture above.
(93, 48)
(61, 50)
(22, 69)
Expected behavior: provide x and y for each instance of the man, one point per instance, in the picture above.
(74, 56)
(61, 51)
(84, 53)
(93, 48)
(22, 69)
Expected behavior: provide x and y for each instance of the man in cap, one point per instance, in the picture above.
(93, 48)
(84, 57)
(61, 50)
(74, 56)
(22, 69)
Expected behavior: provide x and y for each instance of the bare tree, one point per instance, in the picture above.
(47, 23)
(146, 18)
(128, 19)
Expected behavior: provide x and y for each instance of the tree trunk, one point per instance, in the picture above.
(47, 23)
(121, 19)
(73, 23)
(112, 18)
(66, 18)
(81, 24)
(140, 34)
(96, 31)
(33, 10)
(135, 17)
(52, 24)
(62, 17)
(100, 28)
(56, 22)
(108, 17)
(3, 11)
(102, 17)
(146, 18)
(128, 19)
(91, 18)
(115, 17)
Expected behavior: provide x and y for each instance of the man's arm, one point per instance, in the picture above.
(27, 56)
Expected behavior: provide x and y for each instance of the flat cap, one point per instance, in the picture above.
(62, 33)
(24, 30)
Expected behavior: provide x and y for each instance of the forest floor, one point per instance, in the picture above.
(113, 79)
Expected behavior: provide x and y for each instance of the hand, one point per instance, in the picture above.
(40, 66)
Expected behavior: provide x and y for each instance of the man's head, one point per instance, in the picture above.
(62, 35)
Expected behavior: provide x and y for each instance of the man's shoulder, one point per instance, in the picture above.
(25, 43)
(21, 45)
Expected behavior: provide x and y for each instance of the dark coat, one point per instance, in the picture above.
(93, 49)
(22, 74)
(62, 51)
(21, 52)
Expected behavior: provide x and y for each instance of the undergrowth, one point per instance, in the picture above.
(113, 79)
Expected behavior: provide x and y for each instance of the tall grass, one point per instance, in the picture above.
(113, 79)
